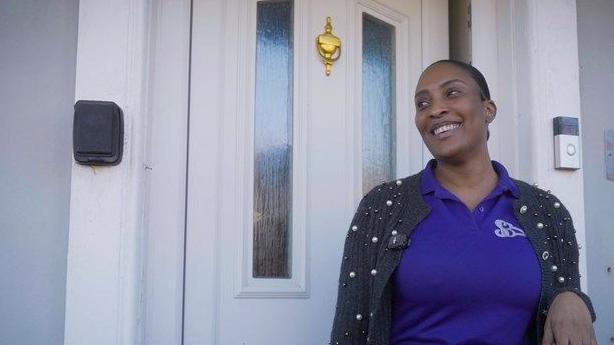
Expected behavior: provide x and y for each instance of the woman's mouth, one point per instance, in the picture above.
(443, 129)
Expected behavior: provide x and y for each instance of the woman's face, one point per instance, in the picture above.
(450, 114)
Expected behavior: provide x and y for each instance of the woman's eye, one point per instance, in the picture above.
(421, 104)
(453, 92)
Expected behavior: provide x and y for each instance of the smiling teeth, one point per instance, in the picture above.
(446, 128)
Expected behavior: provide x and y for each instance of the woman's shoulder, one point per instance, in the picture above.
(531, 188)
(393, 186)
(391, 189)
(533, 194)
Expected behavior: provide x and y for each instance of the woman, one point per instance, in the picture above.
(460, 253)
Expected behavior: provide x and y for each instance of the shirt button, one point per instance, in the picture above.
(481, 208)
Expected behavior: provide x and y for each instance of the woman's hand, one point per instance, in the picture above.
(568, 322)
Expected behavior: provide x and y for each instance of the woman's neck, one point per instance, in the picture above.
(471, 180)
(467, 174)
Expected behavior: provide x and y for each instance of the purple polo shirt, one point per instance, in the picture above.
(468, 277)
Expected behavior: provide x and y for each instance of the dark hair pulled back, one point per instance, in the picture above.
(473, 72)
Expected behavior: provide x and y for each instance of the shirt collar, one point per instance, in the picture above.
(429, 183)
(505, 181)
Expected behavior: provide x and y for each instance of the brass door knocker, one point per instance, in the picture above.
(329, 46)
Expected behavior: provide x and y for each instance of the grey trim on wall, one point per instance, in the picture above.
(596, 56)
(38, 44)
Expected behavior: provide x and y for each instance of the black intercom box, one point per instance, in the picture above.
(98, 133)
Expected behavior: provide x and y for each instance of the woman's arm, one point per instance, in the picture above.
(570, 311)
(351, 320)
(568, 247)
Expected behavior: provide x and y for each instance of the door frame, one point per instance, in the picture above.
(163, 327)
(229, 190)
(435, 48)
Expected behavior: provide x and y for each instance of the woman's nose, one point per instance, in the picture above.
(438, 109)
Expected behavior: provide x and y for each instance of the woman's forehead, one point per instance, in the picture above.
(439, 74)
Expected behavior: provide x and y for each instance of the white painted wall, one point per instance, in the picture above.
(547, 85)
(38, 43)
(596, 51)
(528, 52)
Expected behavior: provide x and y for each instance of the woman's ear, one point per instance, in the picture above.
(491, 111)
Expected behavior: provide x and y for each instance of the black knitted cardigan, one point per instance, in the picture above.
(381, 229)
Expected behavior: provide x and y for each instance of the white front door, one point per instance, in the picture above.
(280, 154)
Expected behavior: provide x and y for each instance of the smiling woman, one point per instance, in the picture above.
(464, 254)
(453, 110)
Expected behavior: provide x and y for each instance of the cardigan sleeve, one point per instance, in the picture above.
(351, 319)
(568, 276)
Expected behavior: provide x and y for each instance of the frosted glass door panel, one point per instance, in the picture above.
(273, 140)
(378, 102)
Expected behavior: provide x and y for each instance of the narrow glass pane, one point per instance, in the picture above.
(273, 140)
(378, 102)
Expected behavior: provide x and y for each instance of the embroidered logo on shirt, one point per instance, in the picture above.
(505, 229)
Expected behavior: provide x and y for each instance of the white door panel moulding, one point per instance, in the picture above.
(242, 137)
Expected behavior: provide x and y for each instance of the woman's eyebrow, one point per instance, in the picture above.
(451, 81)
(441, 86)
(421, 92)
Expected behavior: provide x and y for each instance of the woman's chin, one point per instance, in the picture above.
(451, 154)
